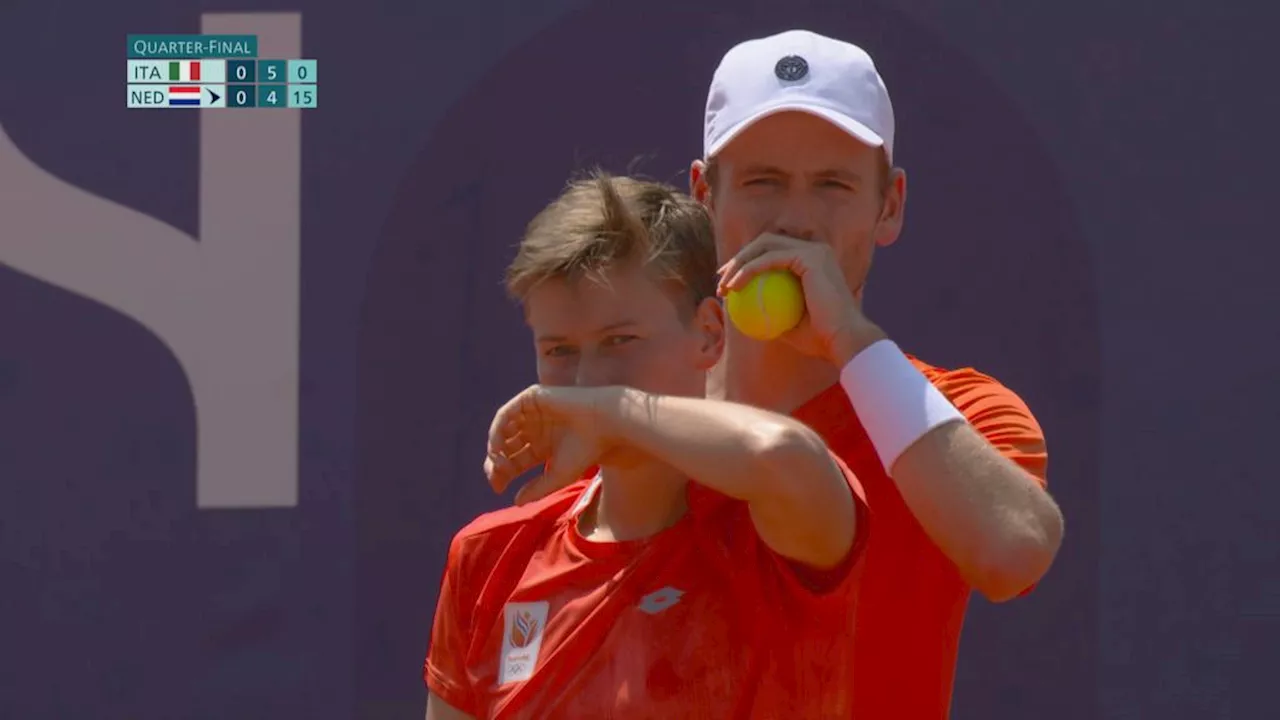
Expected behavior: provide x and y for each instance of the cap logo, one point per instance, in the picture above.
(791, 68)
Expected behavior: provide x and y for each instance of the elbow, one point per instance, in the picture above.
(1019, 562)
(787, 449)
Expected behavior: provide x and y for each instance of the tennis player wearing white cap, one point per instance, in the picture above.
(798, 174)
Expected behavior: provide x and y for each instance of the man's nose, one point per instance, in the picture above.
(594, 371)
(795, 225)
(796, 217)
(794, 231)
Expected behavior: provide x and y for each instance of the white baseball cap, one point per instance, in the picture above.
(801, 71)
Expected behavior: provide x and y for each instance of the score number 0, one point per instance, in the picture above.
(302, 98)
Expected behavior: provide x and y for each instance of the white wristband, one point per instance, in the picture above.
(896, 404)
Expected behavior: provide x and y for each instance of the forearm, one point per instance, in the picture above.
(994, 521)
(987, 514)
(744, 452)
(802, 506)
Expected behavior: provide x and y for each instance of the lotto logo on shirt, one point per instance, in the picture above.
(523, 624)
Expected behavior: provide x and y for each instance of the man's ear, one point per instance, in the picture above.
(709, 319)
(698, 186)
(889, 226)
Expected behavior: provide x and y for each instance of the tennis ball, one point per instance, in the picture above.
(769, 305)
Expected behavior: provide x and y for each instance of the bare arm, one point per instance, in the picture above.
(994, 521)
(976, 487)
(438, 709)
(988, 515)
(800, 502)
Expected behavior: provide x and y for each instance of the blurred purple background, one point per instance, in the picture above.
(1086, 221)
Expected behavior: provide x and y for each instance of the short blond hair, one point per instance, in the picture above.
(603, 221)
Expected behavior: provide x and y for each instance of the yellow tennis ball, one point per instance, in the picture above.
(769, 305)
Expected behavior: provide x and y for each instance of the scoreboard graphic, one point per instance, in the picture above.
(214, 71)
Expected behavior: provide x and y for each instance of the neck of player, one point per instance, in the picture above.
(773, 375)
(635, 502)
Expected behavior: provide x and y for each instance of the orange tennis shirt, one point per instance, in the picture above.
(699, 621)
(913, 599)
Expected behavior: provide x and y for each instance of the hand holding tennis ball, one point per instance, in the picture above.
(769, 305)
(803, 298)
